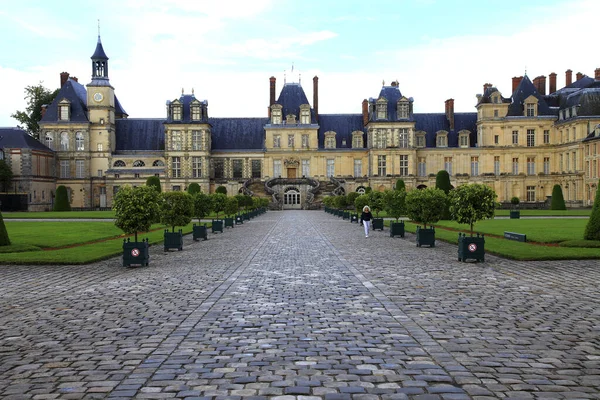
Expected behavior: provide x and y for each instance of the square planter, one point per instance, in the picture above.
(397, 229)
(135, 253)
(217, 226)
(471, 247)
(345, 215)
(229, 222)
(377, 223)
(173, 240)
(354, 218)
(425, 237)
(200, 232)
(239, 220)
(515, 214)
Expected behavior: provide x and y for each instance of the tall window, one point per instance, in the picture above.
(530, 107)
(176, 140)
(357, 168)
(546, 165)
(422, 167)
(195, 113)
(79, 169)
(515, 137)
(530, 165)
(238, 169)
(64, 141)
(464, 140)
(382, 109)
(420, 140)
(176, 167)
(305, 167)
(595, 169)
(530, 193)
(515, 166)
(403, 138)
(305, 141)
(380, 139)
(64, 113)
(568, 161)
(404, 165)
(496, 139)
(448, 165)
(276, 168)
(177, 113)
(305, 116)
(546, 136)
(49, 140)
(357, 141)
(256, 168)
(574, 161)
(474, 166)
(330, 142)
(530, 137)
(442, 140)
(403, 110)
(381, 165)
(560, 163)
(276, 141)
(79, 145)
(196, 167)
(330, 167)
(65, 169)
(219, 168)
(196, 140)
(496, 165)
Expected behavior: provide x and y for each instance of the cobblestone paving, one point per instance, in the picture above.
(300, 305)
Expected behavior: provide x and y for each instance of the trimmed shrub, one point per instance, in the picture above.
(400, 185)
(193, 188)
(351, 197)
(340, 202)
(61, 202)
(4, 239)
(154, 181)
(558, 201)
(176, 209)
(592, 229)
(221, 190)
(515, 201)
(442, 182)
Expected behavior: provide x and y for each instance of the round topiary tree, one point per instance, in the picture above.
(135, 209)
(400, 185)
(592, 229)
(231, 206)
(154, 181)
(340, 202)
(361, 201)
(217, 201)
(61, 202)
(376, 202)
(202, 205)
(221, 190)
(395, 203)
(442, 182)
(558, 201)
(4, 239)
(472, 203)
(426, 205)
(515, 201)
(193, 188)
(176, 209)
(328, 201)
(350, 197)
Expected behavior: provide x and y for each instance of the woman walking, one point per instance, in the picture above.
(365, 219)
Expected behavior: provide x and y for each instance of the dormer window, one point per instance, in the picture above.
(357, 140)
(176, 113)
(276, 114)
(441, 139)
(290, 119)
(463, 138)
(196, 112)
(330, 140)
(64, 113)
(403, 109)
(382, 109)
(530, 109)
(420, 139)
(305, 114)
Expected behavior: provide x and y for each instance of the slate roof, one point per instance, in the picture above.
(119, 110)
(99, 53)
(140, 134)
(522, 92)
(186, 116)
(487, 95)
(17, 138)
(76, 94)
(292, 96)
(238, 133)
(432, 123)
(343, 125)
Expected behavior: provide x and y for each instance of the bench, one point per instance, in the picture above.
(519, 237)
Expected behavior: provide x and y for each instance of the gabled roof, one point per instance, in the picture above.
(237, 133)
(76, 94)
(292, 96)
(343, 125)
(140, 134)
(392, 94)
(522, 92)
(17, 138)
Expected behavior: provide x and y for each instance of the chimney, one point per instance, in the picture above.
(64, 77)
(271, 93)
(394, 83)
(552, 88)
(450, 112)
(75, 78)
(568, 77)
(486, 86)
(540, 84)
(579, 75)
(365, 112)
(597, 74)
(516, 80)
(316, 96)
(44, 109)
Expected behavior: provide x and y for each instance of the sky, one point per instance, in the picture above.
(226, 50)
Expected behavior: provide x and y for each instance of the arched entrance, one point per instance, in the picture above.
(291, 199)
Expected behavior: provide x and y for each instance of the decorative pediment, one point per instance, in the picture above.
(291, 163)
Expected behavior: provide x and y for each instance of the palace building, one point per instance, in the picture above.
(520, 144)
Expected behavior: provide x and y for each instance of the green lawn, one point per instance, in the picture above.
(548, 213)
(59, 214)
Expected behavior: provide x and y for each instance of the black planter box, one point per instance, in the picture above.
(173, 240)
(353, 218)
(346, 215)
(135, 253)
(239, 220)
(425, 237)
(515, 214)
(472, 247)
(397, 229)
(377, 223)
(229, 222)
(200, 232)
(217, 226)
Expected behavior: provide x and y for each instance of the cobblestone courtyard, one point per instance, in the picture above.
(300, 305)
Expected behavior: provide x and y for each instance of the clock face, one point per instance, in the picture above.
(98, 97)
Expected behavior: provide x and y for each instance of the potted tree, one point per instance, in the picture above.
(376, 203)
(515, 213)
(218, 201)
(201, 210)
(341, 202)
(135, 211)
(395, 207)
(469, 204)
(351, 197)
(231, 208)
(425, 206)
(176, 209)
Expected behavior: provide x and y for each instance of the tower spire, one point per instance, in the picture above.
(99, 62)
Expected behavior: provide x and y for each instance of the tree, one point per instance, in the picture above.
(35, 96)
(395, 203)
(472, 203)
(135, 209)
(154, 181)
(376, 202)
(361, 201)
(202, 205)
(217, 201)
(4, 239)
(6, 176)
(340, 202)
(442, 182)
(221, 189)
(592, 229)
(558, 201)
(328, 201)
(515, 201)
(61, 202)
(351, 197)
(231, 206)
(176, 209)
(426, 205)
(400, 185)
(193, 188)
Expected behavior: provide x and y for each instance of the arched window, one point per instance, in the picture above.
(64, 141)
(139, 163)
(119, 163)
(158, 163)
(49, 140)
(79, 141)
